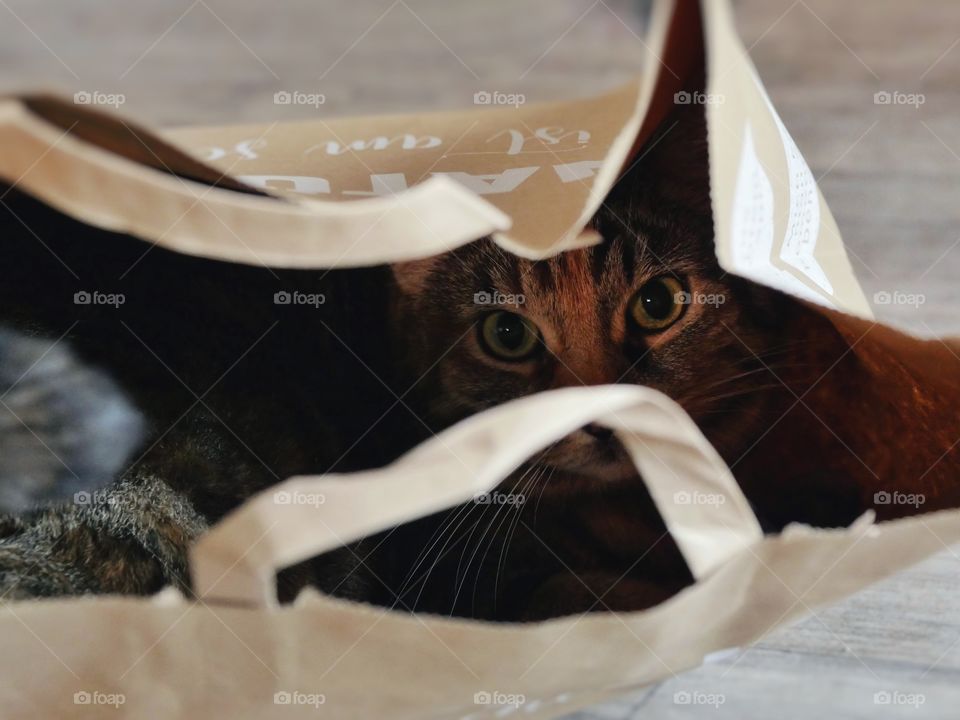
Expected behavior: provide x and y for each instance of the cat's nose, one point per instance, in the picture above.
(598, 432)
(586, 366)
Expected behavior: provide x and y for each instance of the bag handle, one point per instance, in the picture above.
(92, 176)
(236, 561)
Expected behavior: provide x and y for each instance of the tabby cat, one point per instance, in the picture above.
(240, 392)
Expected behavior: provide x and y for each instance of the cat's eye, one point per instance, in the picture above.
(509, 336)
(658, 304)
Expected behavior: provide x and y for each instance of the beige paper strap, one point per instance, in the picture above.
(108, 190)
(701, 503)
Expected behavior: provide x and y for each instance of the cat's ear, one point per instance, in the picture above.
(411, 277)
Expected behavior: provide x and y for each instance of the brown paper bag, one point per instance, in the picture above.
(352, 192)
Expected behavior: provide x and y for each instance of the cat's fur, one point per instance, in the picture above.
(64, 428)
(255, 392)
(236, 391)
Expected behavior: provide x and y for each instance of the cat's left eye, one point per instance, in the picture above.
(658, 304)
(509, 336)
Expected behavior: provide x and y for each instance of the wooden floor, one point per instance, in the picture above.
(891, 174)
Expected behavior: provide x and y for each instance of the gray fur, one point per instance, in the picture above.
(64, 427)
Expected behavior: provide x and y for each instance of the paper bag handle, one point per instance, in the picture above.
(236, 561)
(87, 176)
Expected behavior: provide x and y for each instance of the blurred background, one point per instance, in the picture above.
(868, 88)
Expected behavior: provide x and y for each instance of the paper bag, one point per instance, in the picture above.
(353, 192)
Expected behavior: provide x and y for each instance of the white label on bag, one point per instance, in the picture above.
(803, 224)
(578, 171)
(492, 183)
(752, 210)
(404, 142)
(244, 150)
(753, 226)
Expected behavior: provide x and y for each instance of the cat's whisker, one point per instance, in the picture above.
(451, 541)
(543, 487)
(732, 378)
(511, 532)
(446, 535)
(743, 392)
(776, 371)
(769, 353)
(438, 533)
(511, 523)
(530, 477)
(544, 479)
(465, 508)
(460, 581)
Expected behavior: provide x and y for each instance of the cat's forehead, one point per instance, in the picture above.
(618, 261)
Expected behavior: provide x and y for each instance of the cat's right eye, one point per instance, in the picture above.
(509, 336)
(658, 304)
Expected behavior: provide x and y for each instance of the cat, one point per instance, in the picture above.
(64, 428)
(814, 432)
(650, 305)
(237, 389)
(240, 392)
